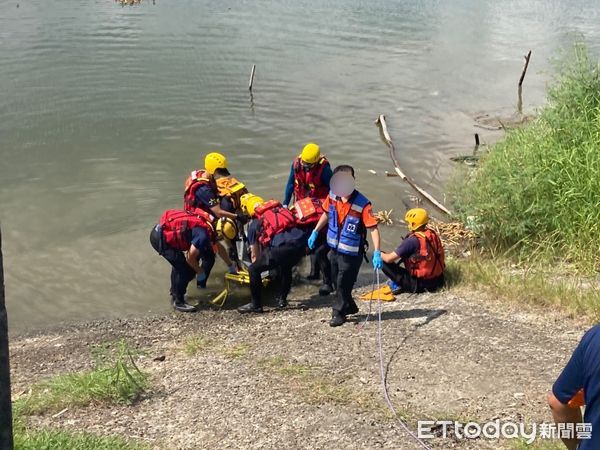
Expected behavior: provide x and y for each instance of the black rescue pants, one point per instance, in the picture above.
(344, 271)
(319, 259)
(284, 258)
(408, 283)
(181, 271)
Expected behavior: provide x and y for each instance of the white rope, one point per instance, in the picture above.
(382, 371)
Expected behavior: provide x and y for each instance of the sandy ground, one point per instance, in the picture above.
(285, 379)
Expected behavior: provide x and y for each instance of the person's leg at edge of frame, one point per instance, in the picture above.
(180, 271)
(254, 271)
(347, 268)
(287, 258)
(322, 254)
(181, 275)
(400, 276)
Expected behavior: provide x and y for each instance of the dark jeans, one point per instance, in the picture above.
(284, 258)
(319, 259)
(181, 272)
(408, 283)
(344, 271)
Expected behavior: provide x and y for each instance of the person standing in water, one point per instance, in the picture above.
(309, 179)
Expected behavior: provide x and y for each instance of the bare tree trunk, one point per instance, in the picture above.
(6, 437)
(388, 140)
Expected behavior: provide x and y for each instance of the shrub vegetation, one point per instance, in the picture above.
(536, 194)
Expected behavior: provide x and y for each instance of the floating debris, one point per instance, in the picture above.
(453, 234)
(385, 217)
(128, 2)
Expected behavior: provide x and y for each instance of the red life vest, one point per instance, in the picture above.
(307, 183)
(196, 179)
(308, 211)
(429, 262)
(177, 227)
(275, 219)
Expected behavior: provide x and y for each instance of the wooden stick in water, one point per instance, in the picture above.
(390, 143)
(252, 72)
(525, 68)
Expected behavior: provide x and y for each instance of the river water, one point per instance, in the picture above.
(105, 109)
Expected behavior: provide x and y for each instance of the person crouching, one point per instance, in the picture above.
(275, 242)
(349, 215)
(184, 239)
(423, 256)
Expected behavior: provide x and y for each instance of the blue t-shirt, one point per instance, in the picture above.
(408, 247)
(206, 197)
(201, 240)
(583, 372)
(294, 237)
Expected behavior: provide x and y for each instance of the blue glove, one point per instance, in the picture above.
(312, 239)
(232, 269)
(377, 262)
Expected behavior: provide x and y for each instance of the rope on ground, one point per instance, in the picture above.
(383, 377)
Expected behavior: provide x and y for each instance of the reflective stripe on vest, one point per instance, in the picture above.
(347, 238)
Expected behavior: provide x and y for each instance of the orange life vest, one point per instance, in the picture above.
(275, 219)
(177, 227)
(196, 179)
(307, 183)
(231, 188)
(429, 262)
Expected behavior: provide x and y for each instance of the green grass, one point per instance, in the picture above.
(316, 387)
(194, 344)
(535, 195)
(237, 351)
(117, 381)
(45, 439)
(518, 284)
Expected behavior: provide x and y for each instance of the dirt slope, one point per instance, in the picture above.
(288, 380)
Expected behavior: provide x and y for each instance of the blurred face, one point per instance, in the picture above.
(342, 184)
(306, 166)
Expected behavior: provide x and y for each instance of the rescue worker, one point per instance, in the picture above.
(275, 242)
(579, 385)
(309, 178)
(229, 189)
(348, 215)
(184, 239)
(423, 256)
(202, 192)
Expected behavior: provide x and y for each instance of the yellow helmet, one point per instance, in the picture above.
(310, 153)
(250, 202)
(226, 228)
(416, 218)
(214, 161)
